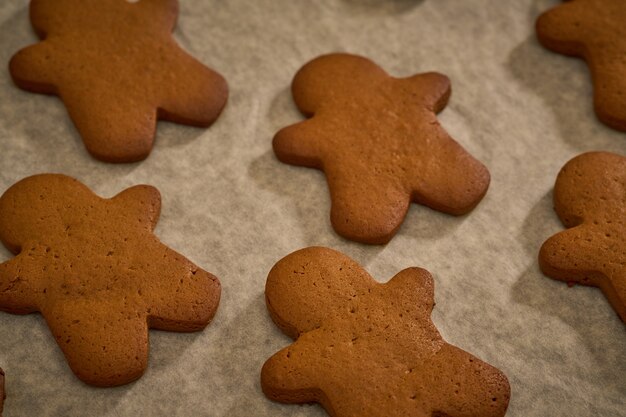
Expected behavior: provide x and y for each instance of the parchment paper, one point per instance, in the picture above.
(233, 209)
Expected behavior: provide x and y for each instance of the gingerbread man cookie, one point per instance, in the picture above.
(368, 349)
(595, 31)
(380, 145)
(97, 273)
(589, 198)
(117, 69)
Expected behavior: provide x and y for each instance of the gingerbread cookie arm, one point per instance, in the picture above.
(574, 256)
(559, 29)
(571, 255)
(141, 202)
(415, 289)
(17, 294)
(30, 69)
(584, 181)
(160, 13)
(299, 144)
(96, 354)
(289, 376)
(431, 88)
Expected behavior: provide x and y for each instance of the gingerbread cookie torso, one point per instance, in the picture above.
(595, 31)
(117, 69)
(590, 200)
(379, 143)
(369, 349)
(98, 274)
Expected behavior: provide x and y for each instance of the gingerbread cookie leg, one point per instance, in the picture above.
(608, 80)
(368, 213)
(113, 129)
(193, 301)
(197, 102)
(470, 381)
(97, 355)
(454, 185)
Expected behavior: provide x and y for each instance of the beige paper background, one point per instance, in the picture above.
(233, 209)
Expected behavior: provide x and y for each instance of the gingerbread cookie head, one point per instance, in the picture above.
(336, 75)
(593, 30)
(117, 69)
(589, 199)
(369, 349)
(98, 274)
(380, 145)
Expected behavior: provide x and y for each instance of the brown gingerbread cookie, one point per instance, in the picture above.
(117, 68)
(368, 349)
(379, 143)
(97, 273)
(595, 31)
(590, 200)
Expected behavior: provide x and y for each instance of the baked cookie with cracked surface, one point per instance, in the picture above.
(379, 143)
(590, 200)
(117, 69)
(368, 349)
(593, 30)
(97, 273)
